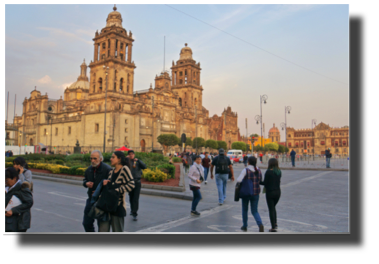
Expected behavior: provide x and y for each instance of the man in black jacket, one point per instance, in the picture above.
(136, 168)
(94, 174)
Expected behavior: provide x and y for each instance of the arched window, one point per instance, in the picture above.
(115, 53)
(180, 101)
(195, 101)
(100, 85)
(127, 89)
(121, 87)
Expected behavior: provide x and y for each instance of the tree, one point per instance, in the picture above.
(221, 144)
(167, 140)
(258, 148)
(272, 146)
(281, 148)
(210, 143)
(198, 142)
(239, 145)
(188, 142)
(248, 148)
(254, 135)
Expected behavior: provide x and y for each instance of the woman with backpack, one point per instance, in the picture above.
(120, 179)
(272, 185)
(25, 174)
(249, 192)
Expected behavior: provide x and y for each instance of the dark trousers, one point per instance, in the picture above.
(134, 197)
(272, 198)
(196, 199)
(88, 221)
(293, 161)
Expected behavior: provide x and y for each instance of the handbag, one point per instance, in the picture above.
(247, 187)
(108, 201)
(96, 213)
(237, 192)
(201, 177)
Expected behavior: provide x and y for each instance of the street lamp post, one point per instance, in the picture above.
(105, 106)
(314, 121)
(263, 98)
(20, 142)
(258, 118)
(287, 109)
(152, 123)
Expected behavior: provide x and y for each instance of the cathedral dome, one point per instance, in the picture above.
(79, 84)
(186, 53)
(114, 18)
(273, 130)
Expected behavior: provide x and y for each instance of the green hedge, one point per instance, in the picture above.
(170, 170)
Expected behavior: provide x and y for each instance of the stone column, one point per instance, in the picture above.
(130, 52)
(113, 47)
(95, 52)
(118, 50)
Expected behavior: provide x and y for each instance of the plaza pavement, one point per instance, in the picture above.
(311, 201)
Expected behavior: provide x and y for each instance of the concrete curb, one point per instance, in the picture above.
(179, 193)
(314, 169)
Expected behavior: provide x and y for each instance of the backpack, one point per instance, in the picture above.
(222, 165)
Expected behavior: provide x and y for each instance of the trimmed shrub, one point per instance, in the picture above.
(64, 169)
(169, 169)
(177, 159)
(74, 157)
(86, 157)
(10, 159)
(60, 162)
(107, 156)
(72, 170)
(8, 164)
(154, 175)
(80, 171)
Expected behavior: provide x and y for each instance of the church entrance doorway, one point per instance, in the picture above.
(143, 144)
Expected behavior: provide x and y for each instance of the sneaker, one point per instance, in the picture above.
(219, 203)
(244, 228)
(205, 182)
(134, 218)
(195, 213)
(261, 228)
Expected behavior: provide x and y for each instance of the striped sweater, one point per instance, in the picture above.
(124, 183)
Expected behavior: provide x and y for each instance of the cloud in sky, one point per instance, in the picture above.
(57, 32)
(45, 80)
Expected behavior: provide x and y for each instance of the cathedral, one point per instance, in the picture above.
(106, 99)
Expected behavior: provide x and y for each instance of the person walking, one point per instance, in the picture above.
(121, 180)
(17, 217)
(273, 192)
(328, 155)
(205, 163)
(251, 193)
(222, 164)
(245, 160)
(196, 177)
(185, 162)
(134, 194)
(25, 174)
(293, 156)
(261, 156)
(93, 176)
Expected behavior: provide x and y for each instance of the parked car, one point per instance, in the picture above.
(235, 159)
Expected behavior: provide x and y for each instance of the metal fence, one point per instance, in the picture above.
(340, 162)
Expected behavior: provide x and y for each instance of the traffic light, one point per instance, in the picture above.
(54, 147)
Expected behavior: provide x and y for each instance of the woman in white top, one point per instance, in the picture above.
(196, 177)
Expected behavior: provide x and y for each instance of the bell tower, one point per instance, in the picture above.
(112, 49)
(186, 80)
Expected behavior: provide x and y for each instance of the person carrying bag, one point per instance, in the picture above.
(248, 190)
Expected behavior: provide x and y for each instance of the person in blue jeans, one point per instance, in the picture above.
(251, 173)
(293, 155)
(223, 165)
(196, 177)
(328, 155)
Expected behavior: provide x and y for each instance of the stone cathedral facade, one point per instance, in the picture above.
(134, 118)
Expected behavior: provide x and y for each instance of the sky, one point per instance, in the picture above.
(297, 55)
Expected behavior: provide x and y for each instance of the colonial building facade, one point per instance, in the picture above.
(319, 139)
(133, 118)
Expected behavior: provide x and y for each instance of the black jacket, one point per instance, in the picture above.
(137, 171)
(21, 217)
(327, 154)
(271, 181)
(101, 174)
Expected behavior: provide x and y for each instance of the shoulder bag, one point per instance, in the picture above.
(247, 187)
(108, 201)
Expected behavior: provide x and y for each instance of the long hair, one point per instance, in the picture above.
(253, 162)
(125, 161)
(21, 161)
(274, 165)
